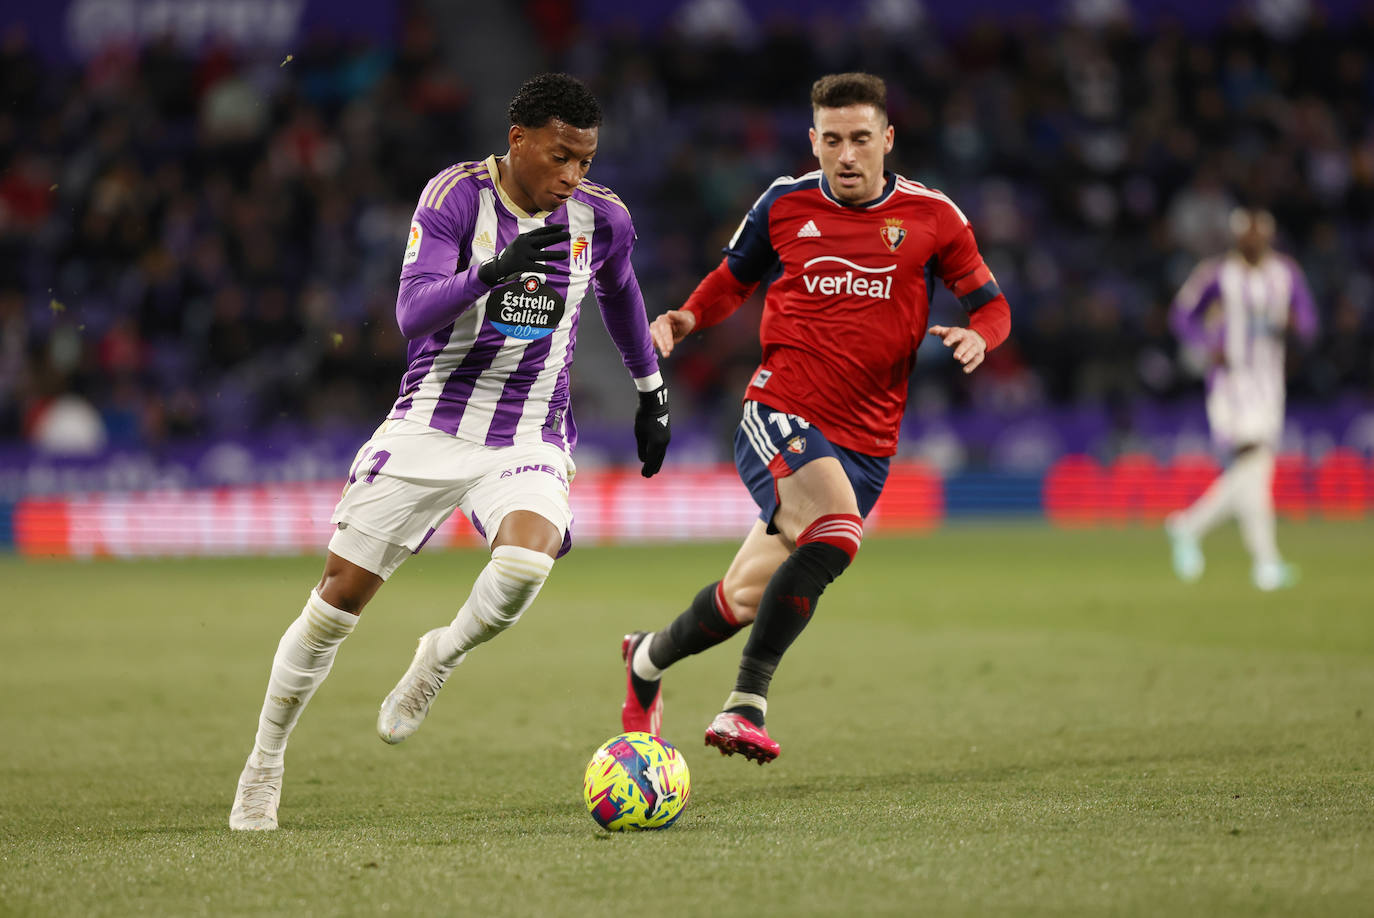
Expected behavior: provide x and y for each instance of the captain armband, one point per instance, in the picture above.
(976, 289)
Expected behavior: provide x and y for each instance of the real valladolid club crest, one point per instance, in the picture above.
(892, 233)
(581, 253)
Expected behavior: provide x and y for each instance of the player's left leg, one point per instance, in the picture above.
(1187, 528)
(1254, 474)
(530, 511)
(818, 511)
(717, 613)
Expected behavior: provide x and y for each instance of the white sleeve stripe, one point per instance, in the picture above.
(912, 188)
(784, 180)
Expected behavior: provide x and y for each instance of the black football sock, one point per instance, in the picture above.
(700, 627)
(645, 689)
(787, 605)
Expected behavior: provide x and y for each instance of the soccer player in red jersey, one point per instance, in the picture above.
(853, 251)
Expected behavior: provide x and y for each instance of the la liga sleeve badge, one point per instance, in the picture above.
(417, 233)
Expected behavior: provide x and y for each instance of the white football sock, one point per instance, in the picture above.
(642, 664)
(1215, 505)
(1254, 502)
(501, 593)
(304, 657)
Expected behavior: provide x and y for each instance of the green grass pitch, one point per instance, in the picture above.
(991, 719)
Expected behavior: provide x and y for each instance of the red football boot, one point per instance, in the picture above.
(731, 733)
(633, 715)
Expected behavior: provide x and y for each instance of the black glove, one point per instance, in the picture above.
(651, 429)
(526, 254)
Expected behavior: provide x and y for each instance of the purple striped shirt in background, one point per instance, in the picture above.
(1239, 314)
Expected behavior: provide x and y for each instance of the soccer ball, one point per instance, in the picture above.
(636, 781)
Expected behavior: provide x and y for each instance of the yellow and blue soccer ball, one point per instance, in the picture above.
(636, 781)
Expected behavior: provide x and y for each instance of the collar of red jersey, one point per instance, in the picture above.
(889, 186)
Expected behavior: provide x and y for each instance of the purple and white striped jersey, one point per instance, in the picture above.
(492, 366)
(1240, 314)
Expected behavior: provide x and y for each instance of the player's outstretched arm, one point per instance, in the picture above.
(652, 431)
(670, 328)
(718, 295)
(969, 346)
(622, 308)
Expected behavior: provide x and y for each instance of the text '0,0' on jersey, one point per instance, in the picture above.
(843, 319)
(495, 368)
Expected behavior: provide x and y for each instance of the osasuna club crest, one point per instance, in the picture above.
(892, 233)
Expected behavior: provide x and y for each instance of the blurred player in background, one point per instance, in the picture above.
(499, 257)
(852, 251)
(1238, 310)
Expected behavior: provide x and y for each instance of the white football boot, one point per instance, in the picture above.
(1185, 552)
(406, 707)
(257, 799)
(1274, 575)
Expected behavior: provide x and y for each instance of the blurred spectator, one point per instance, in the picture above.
(224, 234)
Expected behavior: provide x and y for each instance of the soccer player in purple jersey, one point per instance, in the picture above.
(499, 256)
(1238, 310)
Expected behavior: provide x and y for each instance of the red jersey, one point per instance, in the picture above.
(850, 300)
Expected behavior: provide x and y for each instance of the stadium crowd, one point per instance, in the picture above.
(207, 245)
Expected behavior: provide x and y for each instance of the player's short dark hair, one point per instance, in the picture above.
(554, 95)
(837, 90)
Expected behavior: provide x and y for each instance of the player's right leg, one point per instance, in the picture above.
(716, 614)
(303, 659)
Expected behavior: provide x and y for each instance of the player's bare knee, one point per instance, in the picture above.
(743, 600)
(346, 586)
(529, 530)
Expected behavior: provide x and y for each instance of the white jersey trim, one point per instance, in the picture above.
(907, 186)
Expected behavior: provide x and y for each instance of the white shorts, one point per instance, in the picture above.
(1245, 409)
(408, 479)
